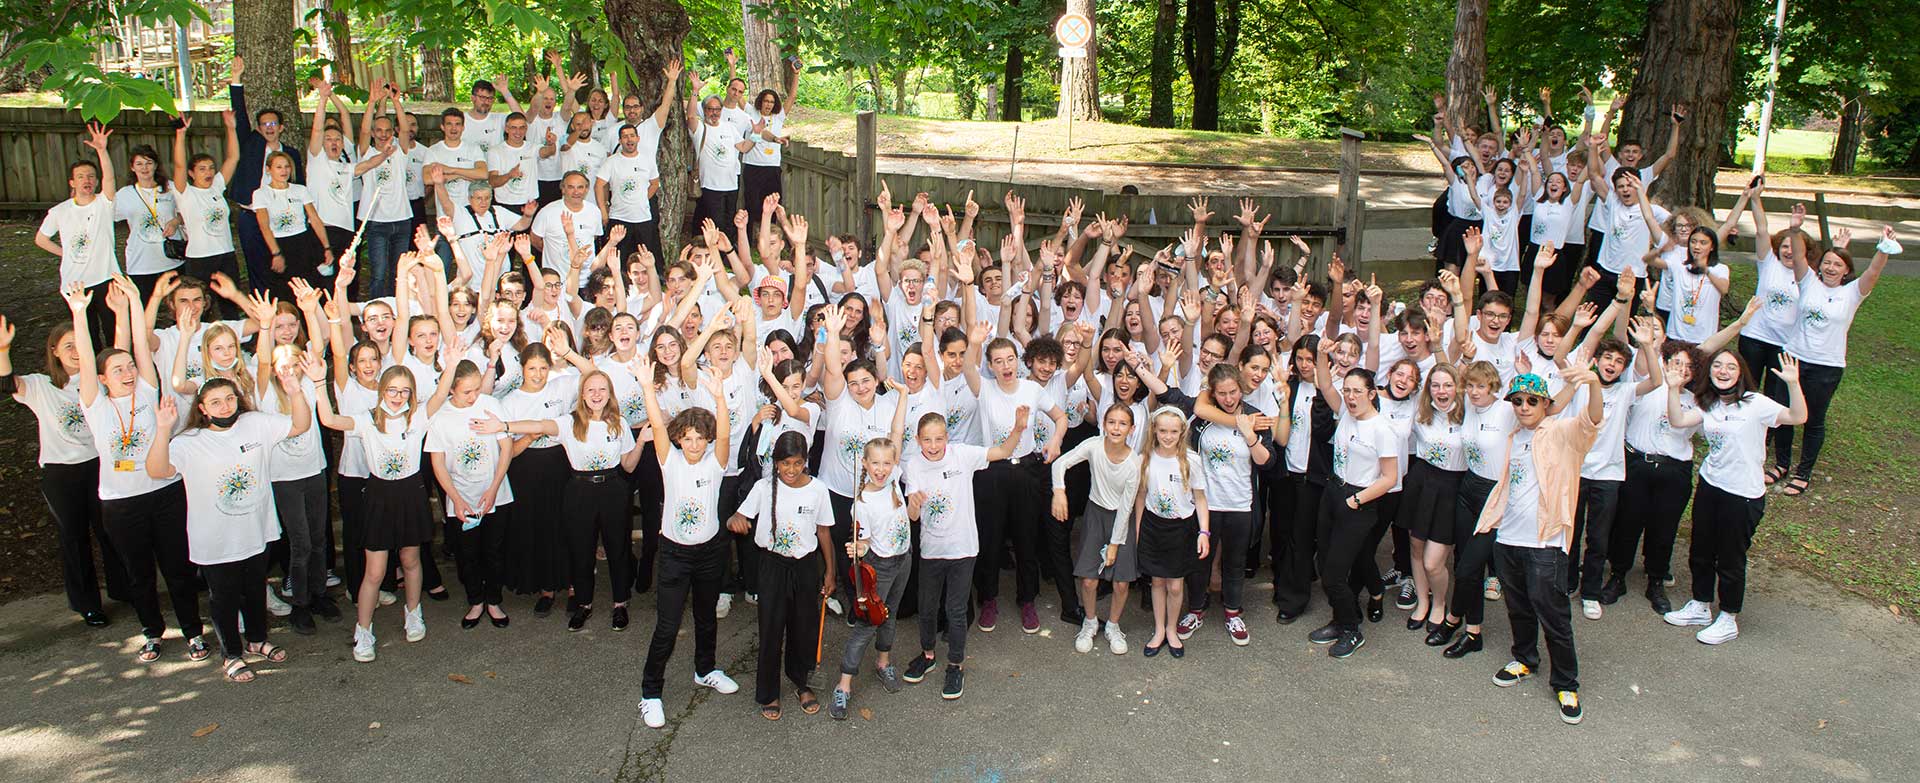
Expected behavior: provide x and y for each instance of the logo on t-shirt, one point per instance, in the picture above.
(688, 517)
(238, 491)
(938, 506)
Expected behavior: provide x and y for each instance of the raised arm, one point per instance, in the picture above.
(1673, 141)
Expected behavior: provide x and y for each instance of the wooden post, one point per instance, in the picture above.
(866, 172)
(1820, 211)
(1347, 204)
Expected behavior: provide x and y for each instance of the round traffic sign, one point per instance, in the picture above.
(1073, 30)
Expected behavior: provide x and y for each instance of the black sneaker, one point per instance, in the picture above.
(543, 607)
(917, 670)
(325, 608)
(1657, 596)
(1469, 643)
(1611, 591)
(1570, 711)
(1073, 616)
(1326, 634)
(619, 618)
(1285, 617)
(1406, 599)
(956, 678)
(1376, 608)
(301, 620)
(1512, 673)
(1350, 641)
(578, 619)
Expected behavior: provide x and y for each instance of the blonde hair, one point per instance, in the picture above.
(280, 389)
(239, 374)
(1149, 443)
(380, 395)
(1426, 409)
(582, 415)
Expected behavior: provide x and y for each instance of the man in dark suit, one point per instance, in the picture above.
(259, 137)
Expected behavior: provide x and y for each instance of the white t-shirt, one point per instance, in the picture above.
(883, 523)
(1606, 458)
(1649, 431)
(475, 229)
(546, 169)
(204, 216)
(742, 390)
(849, 427)
(601, 449)
(1300, 429)
(485, 132)
(1775, 322)
(471, 457)
(354, 400)
(788, 529)
(300, 456)
(1440, 442)
(122, 432)
(383, 188)
(1736, 438)
(963, 409)
(947, 529)
(464, 157)
(64, 436)
(553, 401)
(86, 240)
(1550, 221)
(1826, 314)
(1628, 237)
(1695, 313)
(392, 453)
(146, 212)
(230, 511)
(1228, 463)
(584, 158)
(689, 515)
(503, 158)
(330, 183)
(1167, 496)
(1358, 447)
(765, 153)
(627, 180)
(740, 117)
(1501, 239)
(1399, 414)
(997, 413)
(1520, 522)
(772, 430)
(1486, 438)
(286, 208)
(549, 225)
(719, 156)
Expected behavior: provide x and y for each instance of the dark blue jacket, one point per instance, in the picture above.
(253, 152)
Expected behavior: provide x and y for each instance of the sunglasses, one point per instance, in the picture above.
(1528, 400)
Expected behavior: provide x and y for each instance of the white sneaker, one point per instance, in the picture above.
(654, 714)
(753, 599)
(1490, 589)
(1083, 641)
(333, 580)
(362, 644)
(723, 607)
(1116, 640)
(1694, 613)
(388, 598)
(275, 606)
(719, 681)
(1591, 609)
(416, 624)
(1723, 630)
(833, 605)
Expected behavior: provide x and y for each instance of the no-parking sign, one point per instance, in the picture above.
(1073, 31)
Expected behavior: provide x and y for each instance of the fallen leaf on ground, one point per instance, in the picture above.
(492, 676)
(866, 713)
(205, 730)
(1821, 725)
(460, 678)
(373, 725)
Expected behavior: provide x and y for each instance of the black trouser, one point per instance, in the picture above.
(480, 557)
(73, 497)
(685, 570)
(1606, 288)
(715, 205)
(254, 247)
(1507, 282)
(1762, 358)
(1537, 601)
(1296, 525)
(151, 530)
(353, 532)
(790, 608)
(1558, 281)
(537, 540)
(204, 269)
(949, 577)
(1723, 527)
(646, 482)
(1367, 568)
(595, 510)
(1473, 552)
(1818, 382)
(235, 592)
(1655, 493)
(756, 183)
(302, 507)
(1343, 536)
(643, 234)
(744, 576)
(1008, 502)
(1593, 519)
(1228, 532)
(548, 191)
(841, 533)
(1056, 551)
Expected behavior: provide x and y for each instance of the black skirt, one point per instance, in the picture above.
(1427, 501)
(536, 549)
(1166, 548)
(395, 515)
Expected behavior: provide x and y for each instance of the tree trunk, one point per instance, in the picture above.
(1010, 84)
(1846, 143)
(764, 69)
(654, 32)
(264, 34)
(1688, 59)
(436, 73)
(580, 59)
(1208, 39)
(339, 38)
(1467, 65)
(1080, 76)
(900, 91)
(1160, 75)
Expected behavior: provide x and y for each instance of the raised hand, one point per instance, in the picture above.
(97, 137)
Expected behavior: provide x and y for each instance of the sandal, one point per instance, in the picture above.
(197, 649)
(1795, 488)
(809, 703)
(269, 651)
(1774, 474)
(770, 711)
(149, 652)
(237, 671)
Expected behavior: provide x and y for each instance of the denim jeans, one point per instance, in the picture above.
(384, 242)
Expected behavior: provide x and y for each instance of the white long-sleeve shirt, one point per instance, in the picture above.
(1114, 484)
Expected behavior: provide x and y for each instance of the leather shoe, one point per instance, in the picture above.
(1376, 608)
(1438, 634)
(1657, 596)
(1469, 643)
(1612, 590)
(95, 618)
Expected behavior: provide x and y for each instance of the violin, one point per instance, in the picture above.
(868, 606)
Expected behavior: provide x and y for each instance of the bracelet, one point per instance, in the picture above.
(1207, 533)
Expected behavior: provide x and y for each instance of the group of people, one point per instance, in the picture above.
(529, 380)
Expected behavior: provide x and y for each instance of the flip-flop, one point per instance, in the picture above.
(149, 652)
(770, 711)
(1795, 487)
(809, 703)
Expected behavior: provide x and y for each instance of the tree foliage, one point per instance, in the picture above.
(63, 37)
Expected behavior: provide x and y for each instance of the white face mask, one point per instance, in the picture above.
(394, 410)
(228, 367)
(838, 256)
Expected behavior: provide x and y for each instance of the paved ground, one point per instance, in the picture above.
(1820, 686)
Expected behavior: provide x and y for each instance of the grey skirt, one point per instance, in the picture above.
(1096, 529)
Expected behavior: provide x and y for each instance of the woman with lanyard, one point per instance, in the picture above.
(329, 170)
(295, 235)
(1830, 297)
(222, 454)
(1366, 460)
(1234, 440)
(1698, 279)
(471, 469)
(539, 468)
(200, 186)
(146, 518)
(760, 164)
(392, 438)
(1730, 498)
(793, 585)
(297, 468)
(1437, 457)
(152, 215)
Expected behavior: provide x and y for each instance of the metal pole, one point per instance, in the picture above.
(184, 59)
(1773, 78)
